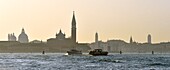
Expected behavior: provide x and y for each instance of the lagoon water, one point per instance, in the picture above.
(59, 61)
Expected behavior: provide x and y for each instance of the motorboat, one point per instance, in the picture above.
(98, 52)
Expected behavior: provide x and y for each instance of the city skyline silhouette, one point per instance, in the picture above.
(111, 19)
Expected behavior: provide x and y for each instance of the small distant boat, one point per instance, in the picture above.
(98, 52)
(74, 52)
(43, 52)
(152, 52)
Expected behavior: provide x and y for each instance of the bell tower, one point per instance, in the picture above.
(73, 29)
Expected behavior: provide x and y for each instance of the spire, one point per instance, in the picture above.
(73, 19)
(73, 28)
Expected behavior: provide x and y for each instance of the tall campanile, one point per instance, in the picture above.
(73, 29)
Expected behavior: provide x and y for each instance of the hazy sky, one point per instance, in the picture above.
(112, 19)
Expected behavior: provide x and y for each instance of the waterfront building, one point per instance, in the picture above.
(57, 44)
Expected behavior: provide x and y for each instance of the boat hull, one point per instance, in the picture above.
(98, 54)
(74, 52)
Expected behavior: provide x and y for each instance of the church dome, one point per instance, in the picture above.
(60, 35)
(23, 38)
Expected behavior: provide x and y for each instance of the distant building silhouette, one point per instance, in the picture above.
(12, 37)
(131, 40)
(60, 41)
(99, 44)
(56, 44)
(23, 38)
(110, 45)
(149, 39)
(96, 40)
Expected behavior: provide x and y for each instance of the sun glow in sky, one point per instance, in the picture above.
(112, 19)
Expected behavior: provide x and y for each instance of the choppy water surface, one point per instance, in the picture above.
(51, 61)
